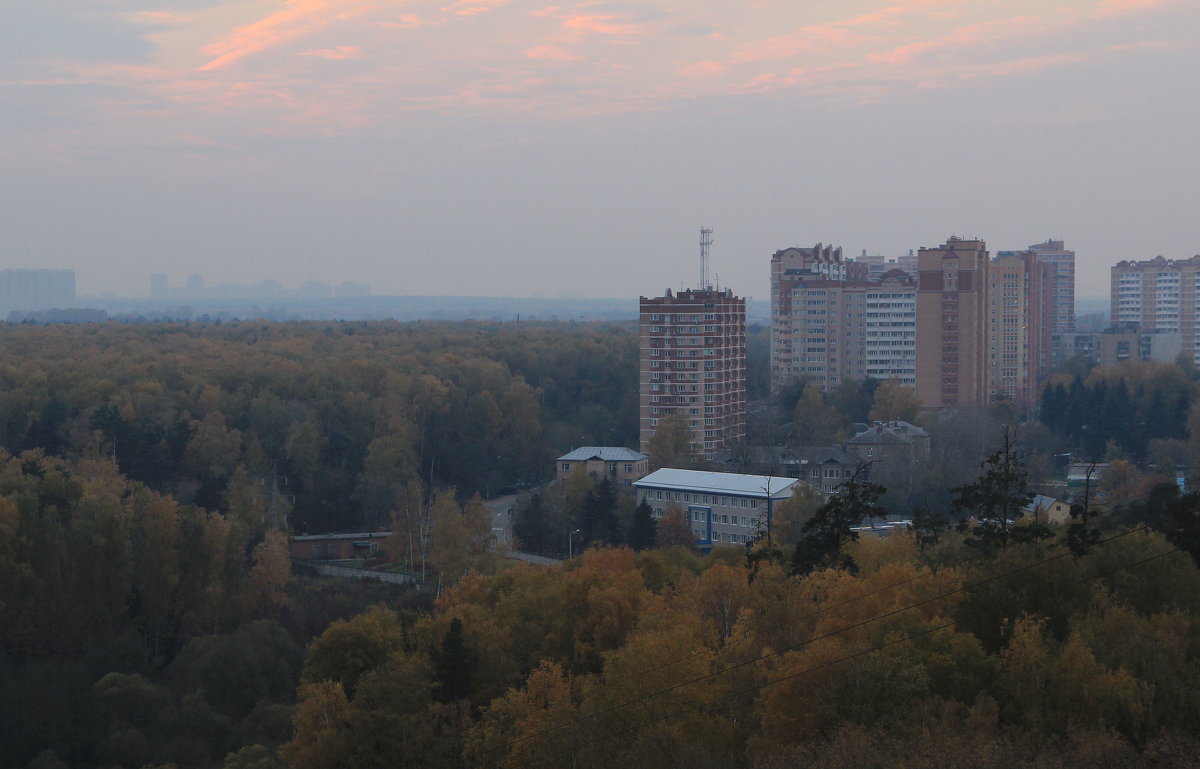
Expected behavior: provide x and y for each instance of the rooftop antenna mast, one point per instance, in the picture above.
(705, 246)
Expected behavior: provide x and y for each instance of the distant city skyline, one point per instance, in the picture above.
(197, 283)
(512, 148)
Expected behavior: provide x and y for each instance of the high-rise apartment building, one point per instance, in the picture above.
(830, 323)
(1158, 295)
(891, 331)
(965, 329)
(804, 281)
(985, 325)
(952, 323)
(1021, 306)
(1062, 288)
(693, 363)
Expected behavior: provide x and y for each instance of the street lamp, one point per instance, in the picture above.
(571, 543)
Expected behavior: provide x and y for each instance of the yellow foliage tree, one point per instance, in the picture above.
(321, 727)
(895, 401)
(266, 587)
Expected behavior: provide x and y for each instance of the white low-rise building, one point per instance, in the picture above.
(722, 508)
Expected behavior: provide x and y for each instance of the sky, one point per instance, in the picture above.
(517, 148)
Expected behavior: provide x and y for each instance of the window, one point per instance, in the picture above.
(566, 467)
(629, 468)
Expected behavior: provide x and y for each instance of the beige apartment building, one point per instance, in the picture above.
(985, 325)
(1060, 287)
(1160, 296)
(829, 323)
(952, 321)
(623, 466)
(1020, 325)
(968, 329)
(693, 363)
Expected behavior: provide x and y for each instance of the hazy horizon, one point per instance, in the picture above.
(509, 148)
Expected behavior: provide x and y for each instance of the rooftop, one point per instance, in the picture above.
(895, 431)
(603, 453)
(719, 483)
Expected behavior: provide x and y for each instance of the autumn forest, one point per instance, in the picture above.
(150, 615)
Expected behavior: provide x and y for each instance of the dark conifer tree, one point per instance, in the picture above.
(825, 535)
(643, 531)
(996, 499)
(531, 525)
(599, 524)
(455, 666)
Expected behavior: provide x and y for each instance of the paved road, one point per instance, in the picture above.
(502, 509)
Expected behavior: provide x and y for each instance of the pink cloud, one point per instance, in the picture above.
(340, 53)
(551, 53)
(1025, 65)
(811, 40)
(474, 7)
(407, 21)
(601, 25)
(903, 54)
(299, 19)
(703, 69)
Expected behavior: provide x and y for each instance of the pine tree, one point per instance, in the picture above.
(456, 665)
(996, 499)
(643, 530)
(599, 523)
(831, 528)
(531, 525)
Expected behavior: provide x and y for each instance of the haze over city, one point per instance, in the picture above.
(496, 147)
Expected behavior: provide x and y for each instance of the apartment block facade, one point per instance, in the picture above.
(965, 329)
(1060, 286)
(693, 363)
(830, 323)
(1160, 296)
(891, 330)
(1021, 320)
(986, 325)
(721, 508)
(952, 282)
